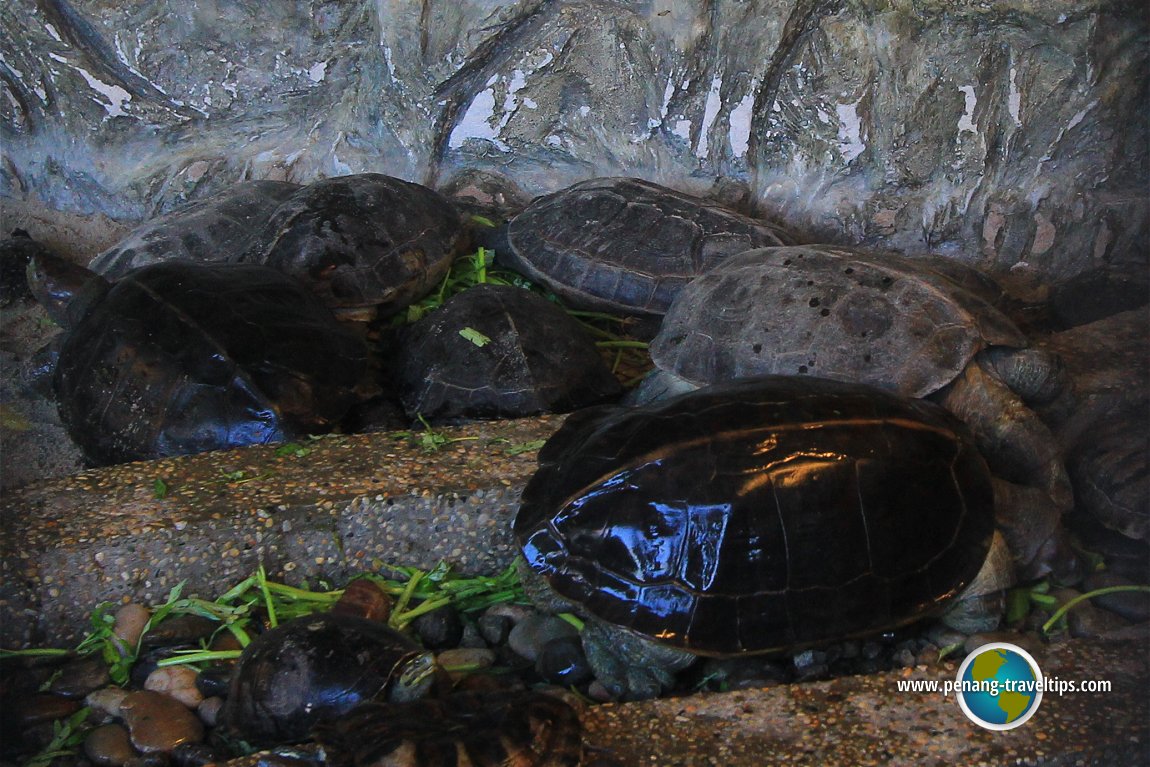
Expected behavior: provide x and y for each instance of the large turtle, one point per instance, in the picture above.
(365, 243)
(499, 351)
(217, 228)
(179, 357)
(625, 245)
(899, 323)
(758, 514)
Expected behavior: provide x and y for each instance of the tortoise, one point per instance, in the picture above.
(904, 324)
(625, 245)
(217, 228)
(368, 244)
(759, 514)
(319, 667)
(180, 357)
(499, 351)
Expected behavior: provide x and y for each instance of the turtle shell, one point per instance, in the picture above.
(215, 229)
(363, 241)
(831, 312)
(625, 245)
(180, 358)
(318, 667)
(498, 351)
(758, 514)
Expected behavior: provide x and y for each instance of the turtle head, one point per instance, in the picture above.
(412, 677)
(65, 290)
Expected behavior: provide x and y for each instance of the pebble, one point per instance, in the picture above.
(364, 598)
(40, 708)
(129, 625)
(79, 677)
(439, 629)
(494, 628)
(742, 673)
(179, 631)
(193, 755)
(209, 710)
(109, 746)
(563, 662)
(157, 722)
(178, 682)
(106, 700)
(529, 635)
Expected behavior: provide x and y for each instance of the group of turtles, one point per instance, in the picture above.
(827, 445)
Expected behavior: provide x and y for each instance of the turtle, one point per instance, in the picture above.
(499, 351)
(755, 515)
(218, 228)
(318, 667)
(181, 357)
(906, 324)
(16, 252)
(625, 245)
(368, 244)
(485, 729)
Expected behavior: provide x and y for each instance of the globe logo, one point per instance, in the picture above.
(999, 686)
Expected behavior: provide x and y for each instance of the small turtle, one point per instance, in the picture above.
(758, 514)
(179, 357)
(319, 667)
(894, 322)
(215, 229)
(365, 243)
(494, 729)
(498, 351)
(624, 245)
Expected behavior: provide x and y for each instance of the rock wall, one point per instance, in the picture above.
(1008, 133)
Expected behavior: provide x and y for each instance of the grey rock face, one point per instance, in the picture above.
(1008, 133)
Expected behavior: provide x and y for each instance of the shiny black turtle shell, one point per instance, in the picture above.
(759, 514)
(180, 357)
(625, 245)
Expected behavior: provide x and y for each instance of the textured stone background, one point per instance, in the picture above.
(1010, 133)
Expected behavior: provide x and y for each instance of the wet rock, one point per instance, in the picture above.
(725, 674)
(529, 635)
(107, 700)
(209, 710)
(440, 628)
(155, 759)
(42, 707)
(562, 661)
(179, 631)
(193, 755)
(364, 598)
(463, 661)
(178, 682)
(810, 665)
(494, 628)
(109, 746)
(79, 677)
(131, 620)
(157, 722)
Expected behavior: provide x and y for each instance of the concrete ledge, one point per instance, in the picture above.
(104, 535)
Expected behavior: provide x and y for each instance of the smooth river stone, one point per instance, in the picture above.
(157, 722)
(109, 746)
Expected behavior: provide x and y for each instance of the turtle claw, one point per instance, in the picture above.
(629, 666)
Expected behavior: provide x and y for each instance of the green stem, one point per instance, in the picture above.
(1061, 611)
(183, 657)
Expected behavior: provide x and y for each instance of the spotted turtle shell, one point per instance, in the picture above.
(625, 245)
(901, 323)
(759, 514)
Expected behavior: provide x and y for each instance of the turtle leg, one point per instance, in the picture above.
(629, 666)
(1033, 491)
